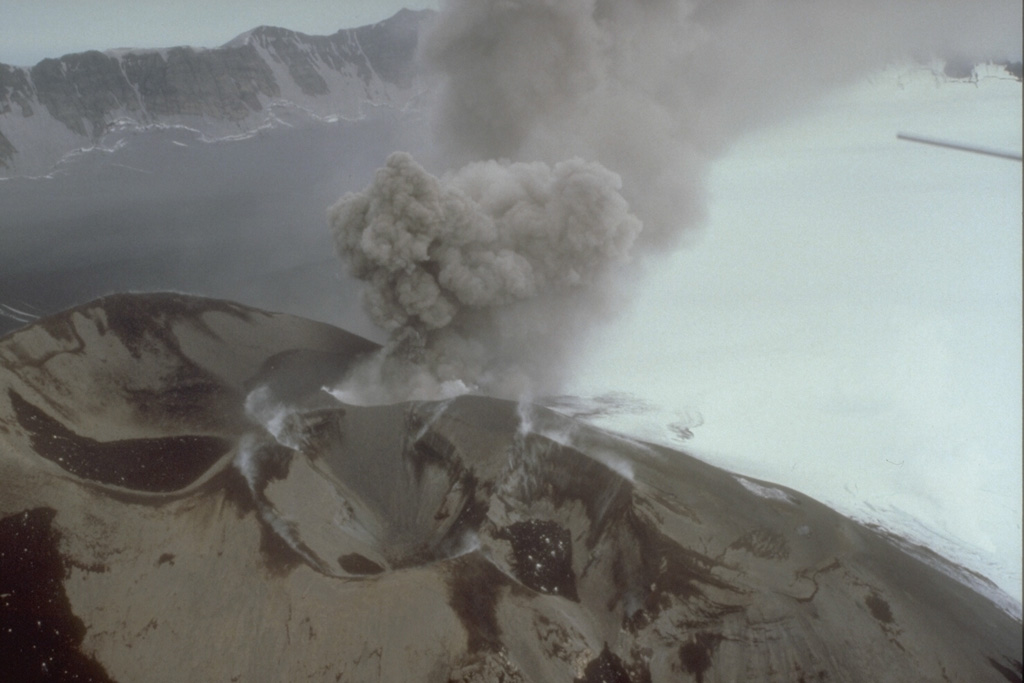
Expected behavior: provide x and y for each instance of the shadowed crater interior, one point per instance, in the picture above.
(542, 556)
(157, 465)
(607, 668)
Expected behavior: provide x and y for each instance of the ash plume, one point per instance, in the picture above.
(655, 89)
(462, 270)
(605, 116)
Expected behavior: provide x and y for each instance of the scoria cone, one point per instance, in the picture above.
(181, 501)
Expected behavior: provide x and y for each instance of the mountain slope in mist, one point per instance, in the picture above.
(263, 75)
(182, 500)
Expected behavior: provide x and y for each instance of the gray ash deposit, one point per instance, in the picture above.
(472, 539)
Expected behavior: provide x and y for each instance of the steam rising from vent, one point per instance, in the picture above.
(487, 276)
(471, 273)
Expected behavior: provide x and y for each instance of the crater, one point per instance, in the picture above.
(363, 490)
(542, 556)
(354, 563)
(605, 668)
(153, 465)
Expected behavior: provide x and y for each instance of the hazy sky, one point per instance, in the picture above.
(32, 31)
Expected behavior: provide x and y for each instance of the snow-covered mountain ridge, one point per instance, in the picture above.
(60, 105)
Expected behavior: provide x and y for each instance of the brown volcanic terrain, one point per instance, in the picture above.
(153, 529)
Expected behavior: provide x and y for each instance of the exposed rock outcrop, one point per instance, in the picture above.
(75, 100)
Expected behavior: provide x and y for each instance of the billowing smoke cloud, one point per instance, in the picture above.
(493, 271)
(654, 89)
(459, 267)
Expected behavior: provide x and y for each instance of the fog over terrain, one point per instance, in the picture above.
(757, 269)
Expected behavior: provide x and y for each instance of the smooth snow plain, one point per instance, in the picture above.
(848, 321)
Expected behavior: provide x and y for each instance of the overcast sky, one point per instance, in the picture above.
(32, 31)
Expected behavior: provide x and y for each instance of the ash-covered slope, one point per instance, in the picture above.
(181, 501)
(60, 105)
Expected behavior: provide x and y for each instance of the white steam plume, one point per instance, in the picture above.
(491, 274)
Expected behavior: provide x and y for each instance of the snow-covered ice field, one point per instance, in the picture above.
(848, 322)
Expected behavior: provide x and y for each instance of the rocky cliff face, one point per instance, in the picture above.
(60, 105)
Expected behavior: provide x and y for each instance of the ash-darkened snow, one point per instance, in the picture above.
(488, 193)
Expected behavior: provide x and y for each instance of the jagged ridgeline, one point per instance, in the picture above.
(180, 500)
(62, 104)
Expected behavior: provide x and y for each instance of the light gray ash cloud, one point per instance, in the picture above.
(605, 116)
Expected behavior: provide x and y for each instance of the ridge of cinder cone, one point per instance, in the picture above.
(153, 529)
